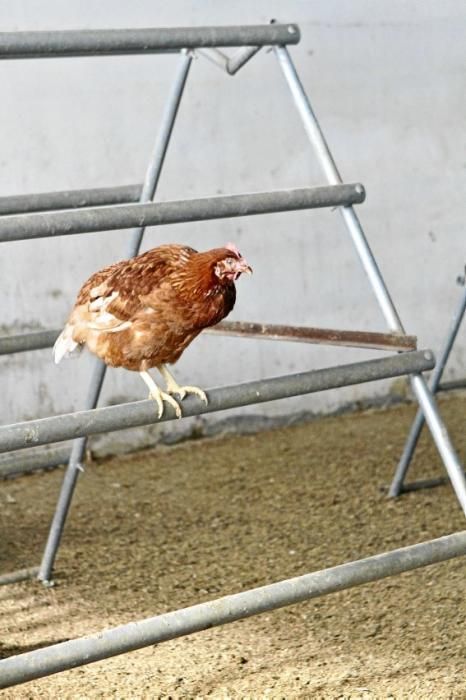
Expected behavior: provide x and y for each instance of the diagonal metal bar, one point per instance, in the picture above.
(105, 42)
(89, 220)
(416, 428)
(229, 64)
(177, 623)
(240, 58)
(98, 372)
(418, 383)
(91, 422)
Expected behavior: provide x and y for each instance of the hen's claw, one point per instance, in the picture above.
(181, 391)
(159, 397)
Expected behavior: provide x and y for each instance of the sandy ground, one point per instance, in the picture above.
(173, 526)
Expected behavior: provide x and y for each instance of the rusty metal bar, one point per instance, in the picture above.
(39, 340)
(320, 336)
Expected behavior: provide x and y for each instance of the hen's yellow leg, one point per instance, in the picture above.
(160, 396)
(181, 391)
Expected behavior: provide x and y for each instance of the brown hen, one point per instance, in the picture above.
(144, 312)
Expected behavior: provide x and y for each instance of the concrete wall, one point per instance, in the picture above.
(387, 82)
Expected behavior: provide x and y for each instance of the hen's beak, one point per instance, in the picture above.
(244, 267)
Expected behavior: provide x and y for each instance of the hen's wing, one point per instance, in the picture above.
(118, 289)
(111, 297)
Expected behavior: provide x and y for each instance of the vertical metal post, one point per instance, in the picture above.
(98, 372)
(418, 423)
(418, 383)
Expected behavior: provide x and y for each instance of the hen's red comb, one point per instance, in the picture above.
(233, 248)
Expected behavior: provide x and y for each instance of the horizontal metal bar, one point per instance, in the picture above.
(27, 226)
(105, 42)
(171, 625)
(452, 385)
(19, 575)
(68, 199)
(13, 464)
(72, 425)
(321, 336)
(38, 340)
(246, 329)
(424, 484)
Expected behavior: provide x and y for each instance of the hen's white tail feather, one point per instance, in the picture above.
(65, 345)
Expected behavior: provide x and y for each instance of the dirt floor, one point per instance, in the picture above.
(166, 528)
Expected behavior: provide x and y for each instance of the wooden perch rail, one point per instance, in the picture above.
(320, 336)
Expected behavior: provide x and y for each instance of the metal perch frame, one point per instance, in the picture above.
(114, 42)
(81, 423)
(397, 486)
(89, 220)
(162, 628)
(110, 208)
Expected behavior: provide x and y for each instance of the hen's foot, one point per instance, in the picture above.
(160, 396)
(174, 388)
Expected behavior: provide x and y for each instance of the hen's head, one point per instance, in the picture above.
(230, 264)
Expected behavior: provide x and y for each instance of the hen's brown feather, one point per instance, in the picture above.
(144, 312)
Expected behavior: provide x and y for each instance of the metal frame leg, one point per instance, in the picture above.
(418, 383)
(98, 374)
(418, 423)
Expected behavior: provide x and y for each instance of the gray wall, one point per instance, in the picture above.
(387, 80)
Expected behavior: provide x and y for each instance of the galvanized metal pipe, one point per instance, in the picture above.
(18, 576)
(38, 340)
(215, 56)
(69, 199)
(73, 425)
(154, 630)
(452, 385)
(418, 423)
(418, 383)
(105, 42)
(12, 464)
(98, 372)
(240, 58)
(43, 225)
(325, 158)
(229, 64)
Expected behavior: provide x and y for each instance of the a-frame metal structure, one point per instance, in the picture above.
(108, 208)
